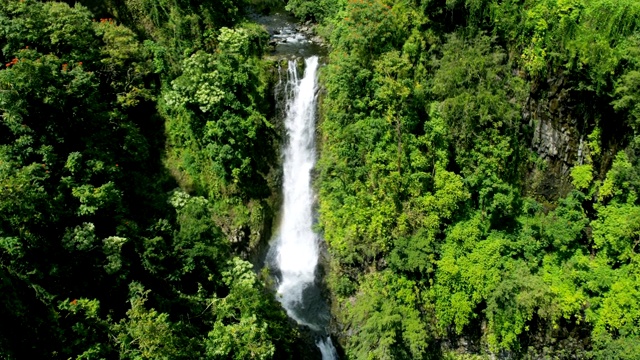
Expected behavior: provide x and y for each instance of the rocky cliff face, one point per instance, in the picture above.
(560, 118)
(559, 122)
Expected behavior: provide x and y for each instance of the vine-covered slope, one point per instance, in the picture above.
(443, 122)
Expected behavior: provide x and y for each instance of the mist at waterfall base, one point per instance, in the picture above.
(295, 251)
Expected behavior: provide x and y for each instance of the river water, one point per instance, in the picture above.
(295, 251)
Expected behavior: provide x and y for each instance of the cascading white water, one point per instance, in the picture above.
(297, 250)
(297, 247)
(327, 349)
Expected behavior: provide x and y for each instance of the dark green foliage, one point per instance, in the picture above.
(88, 217)
(249, 325)
(386, 320)
(174, 28)
(219, 98)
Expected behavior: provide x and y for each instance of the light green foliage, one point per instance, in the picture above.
(446, 295)
(314, 9)
(248, 324)
(92, 198)
(199, 84)
(474, 270)
(620, 309)
(480, 104)
(145, 333)
(615, 333)
(477, 250)
(385, 320)
(617, 230)
(421, 94)
(112, 247)
(512, 305)
(622, 182)
(366, 174)
(541, 22)
(564, 227)
(371, 27)
(382, 140)
(603, 36)
(468, 272)
(563, 281)
(385, 191)
(246, 339)
(81, 238)
(595, 36)
(595, 147)
(246, 41)
(582, 176)
(427, 213)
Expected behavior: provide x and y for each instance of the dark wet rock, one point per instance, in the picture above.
(559, 119)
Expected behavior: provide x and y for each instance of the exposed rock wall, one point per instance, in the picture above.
(558, 125)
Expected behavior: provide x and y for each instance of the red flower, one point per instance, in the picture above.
(13, 62)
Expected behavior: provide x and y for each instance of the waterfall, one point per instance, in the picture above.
(297, 245)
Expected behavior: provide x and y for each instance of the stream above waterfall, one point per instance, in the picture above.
(290, 40)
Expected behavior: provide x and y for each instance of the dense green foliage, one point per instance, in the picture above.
(434, 232)
(100, 255)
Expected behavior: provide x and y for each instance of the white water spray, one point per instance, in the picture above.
(327, 349)
(297, 248)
